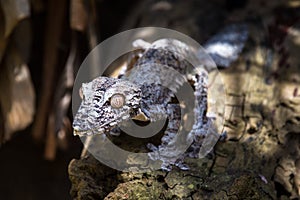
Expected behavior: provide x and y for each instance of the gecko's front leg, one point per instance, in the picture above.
(173, 144)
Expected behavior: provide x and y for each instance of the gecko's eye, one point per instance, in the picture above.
(117, 100)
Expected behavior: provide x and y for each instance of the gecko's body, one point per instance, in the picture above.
(149, 88)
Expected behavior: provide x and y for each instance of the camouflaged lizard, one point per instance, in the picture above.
(108, 103)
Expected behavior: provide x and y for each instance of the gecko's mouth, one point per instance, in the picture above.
(81, 129)
(141, 117)
(96, 130)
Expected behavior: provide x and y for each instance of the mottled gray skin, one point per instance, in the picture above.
(150, 90)
(95, 114)
(156, 99)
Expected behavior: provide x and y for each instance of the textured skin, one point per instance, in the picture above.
(172, 53)
(95, 114)
(149, 88)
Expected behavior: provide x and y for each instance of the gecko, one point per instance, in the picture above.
(141, 94)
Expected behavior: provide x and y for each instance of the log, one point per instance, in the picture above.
(259, 159)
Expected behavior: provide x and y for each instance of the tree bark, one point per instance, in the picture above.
(259, 159)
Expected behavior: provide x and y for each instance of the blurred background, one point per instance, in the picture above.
(42, 44)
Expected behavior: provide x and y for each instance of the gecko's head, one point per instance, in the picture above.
(105, 103)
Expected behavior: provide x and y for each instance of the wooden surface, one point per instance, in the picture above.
(260, 157)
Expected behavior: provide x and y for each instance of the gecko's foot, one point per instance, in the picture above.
(182, 166)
